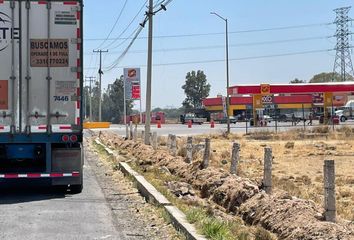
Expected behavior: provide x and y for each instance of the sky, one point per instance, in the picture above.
(187, 37)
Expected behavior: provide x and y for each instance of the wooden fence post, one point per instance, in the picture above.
(131, 130)
(173, 149)
(126, 131)
(154, 140)
(189, 150)
(235, 157)
(168, 144)
(135, 134)
(206, 155)
(143, 134)
(329, 191)
(267, 176)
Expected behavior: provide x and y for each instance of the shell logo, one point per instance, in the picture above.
(132, 73)
(265, 88)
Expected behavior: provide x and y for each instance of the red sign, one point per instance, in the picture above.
(135, 91)
(317, 97)
(4, 102)
(267, 99)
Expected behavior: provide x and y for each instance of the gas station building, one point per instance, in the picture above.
(283, 97)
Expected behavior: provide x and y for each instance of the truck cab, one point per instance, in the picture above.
(346, 112)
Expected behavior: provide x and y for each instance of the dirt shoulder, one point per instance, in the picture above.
(141, 220)
(287, 216)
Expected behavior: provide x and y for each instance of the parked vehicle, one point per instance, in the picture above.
(346, 112)
(232, 120)
(191, 117)
(40, 93)
(267, 118)
(295, 116)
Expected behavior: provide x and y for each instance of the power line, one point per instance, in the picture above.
(116, 62)
(125, 40)
(222, 33)
(115, 23)
(126, 28)
(138, 31)
(158, 3)
(195, 48)
(93, 70)
(243, 58)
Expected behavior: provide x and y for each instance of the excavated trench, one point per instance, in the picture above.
(286, 216)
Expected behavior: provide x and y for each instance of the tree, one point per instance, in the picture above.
(112, 102)
(329, 77)
(196, 88)
(296, 80)
(171, 113)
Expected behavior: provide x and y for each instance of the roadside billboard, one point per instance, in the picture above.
(132, 83)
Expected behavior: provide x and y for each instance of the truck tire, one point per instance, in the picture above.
(75, 189)
(61, 188)
(343, 119)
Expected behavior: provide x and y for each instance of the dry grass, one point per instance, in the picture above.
(297, 166)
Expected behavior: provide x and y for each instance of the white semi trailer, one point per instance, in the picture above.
(40, 93)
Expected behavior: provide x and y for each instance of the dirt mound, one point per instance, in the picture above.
(288, 217)
(291, 218)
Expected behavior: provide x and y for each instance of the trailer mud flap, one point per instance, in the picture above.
(66, 160)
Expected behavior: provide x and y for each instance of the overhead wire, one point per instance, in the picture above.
(116, 62)
(246, 58)
(93, 69)
(196, 48)
(138, 31)
(114, 40)
(223, 33)
(115, 24)
(158, 3)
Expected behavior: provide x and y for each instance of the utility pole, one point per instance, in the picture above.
(90, 80)
(343, 63)
(149, 75)
(227, 71)
(100, 72)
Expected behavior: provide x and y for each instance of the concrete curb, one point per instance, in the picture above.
(127, 170)
(179, 221)
(147, 190)
(109, 151)
(150, 192)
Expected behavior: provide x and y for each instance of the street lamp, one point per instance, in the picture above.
(227, 70)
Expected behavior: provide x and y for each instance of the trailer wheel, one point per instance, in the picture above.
(61, 188)
(75, 189)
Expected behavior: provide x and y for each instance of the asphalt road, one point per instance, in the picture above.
(183, 130)
(99, 212)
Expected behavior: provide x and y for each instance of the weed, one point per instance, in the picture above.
(321, 129)
(195, 215)
(262, 234)
(215, 229)
(225, 154)
(182, 151)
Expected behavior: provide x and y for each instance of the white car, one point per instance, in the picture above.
(341, 114)
(267, 118)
